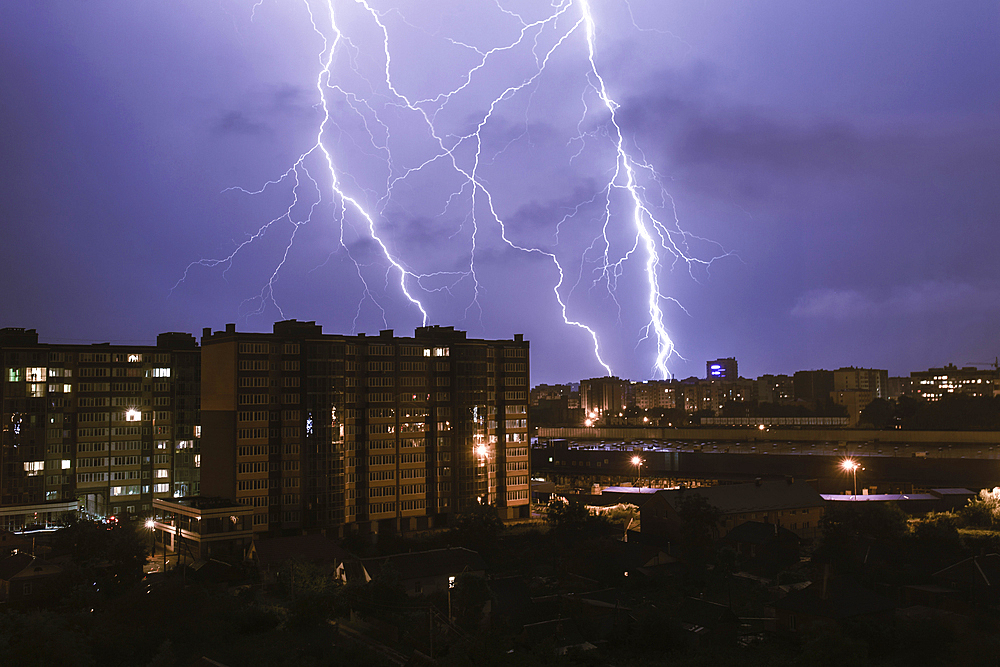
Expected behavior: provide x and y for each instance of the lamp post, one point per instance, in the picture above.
(637, 462)
(151, 525)
(850, 465)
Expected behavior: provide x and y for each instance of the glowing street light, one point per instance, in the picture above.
(637, 462)
(151, 526)
(851, 466)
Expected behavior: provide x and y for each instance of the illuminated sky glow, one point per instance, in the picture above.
(799, 187)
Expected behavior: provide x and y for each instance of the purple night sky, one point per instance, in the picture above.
(834, 170)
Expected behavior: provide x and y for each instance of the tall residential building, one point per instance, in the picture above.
(103, 429)
(603, 395)
(870, 380)
(855, 388)
(654, 394)
(812, 386)
(722, 369)
(775, 389)
(364, 433)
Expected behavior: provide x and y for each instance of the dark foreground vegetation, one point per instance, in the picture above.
(566, 591)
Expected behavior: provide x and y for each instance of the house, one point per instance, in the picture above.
(560, 635)
(934, 500)
(11, 543)
(26, 580)
(790, 504)
(202, 527)
(763, 548)
(707, 623)
(423, 572)
(830, 601)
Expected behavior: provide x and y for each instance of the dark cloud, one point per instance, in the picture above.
(236, 122)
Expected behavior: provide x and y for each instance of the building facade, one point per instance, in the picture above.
(936, 383)
(855, 388)
(654, 394)
(364, 433)
(775, 389)
(605, 395)
(101, 429)
(722, 369)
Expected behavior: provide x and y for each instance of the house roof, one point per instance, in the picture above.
(878, 497)
(754, 497)
(843, 599)
(14, 565)
(12, 540)
(309, 548)
(755, 532)
(512, 600)
(11, 565)
(952, 492)
(433, 563)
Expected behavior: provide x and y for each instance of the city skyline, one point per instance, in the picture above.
(841, 161)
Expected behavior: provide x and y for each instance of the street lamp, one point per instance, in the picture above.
(151, 525)
(637, 462)
(850, 465)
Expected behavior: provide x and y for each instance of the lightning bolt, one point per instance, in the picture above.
(415, 137)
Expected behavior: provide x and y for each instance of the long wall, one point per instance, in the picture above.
(774, 434)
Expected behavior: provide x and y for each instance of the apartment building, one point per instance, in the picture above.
(604, 395)
(935, 383)
(364, 433)
(101, 429)
(855, 388)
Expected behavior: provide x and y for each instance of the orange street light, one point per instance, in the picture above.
(637, 462)
(851, 466)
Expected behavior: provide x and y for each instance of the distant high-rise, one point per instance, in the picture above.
(812, 386)
(722, 369)
(364, 433)
(102, 428)
(855, 388)
(603, 395)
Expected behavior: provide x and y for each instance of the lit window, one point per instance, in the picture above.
(161, 372)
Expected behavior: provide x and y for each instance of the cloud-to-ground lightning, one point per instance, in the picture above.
(405, 129)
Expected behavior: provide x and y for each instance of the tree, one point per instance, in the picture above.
(850, 529)
(478, 529)
(982, 511)
(880, 414)
(469, 597)
(42, 639)
(571, 519)
(95, 545)
(699, 527)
